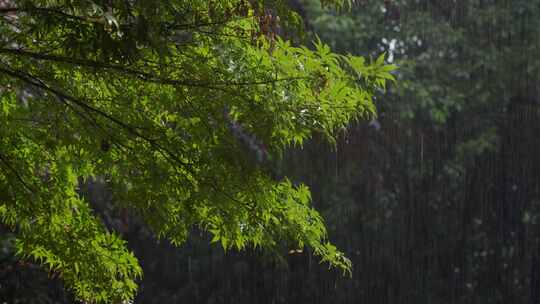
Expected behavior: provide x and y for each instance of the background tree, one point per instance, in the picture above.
(436, 196)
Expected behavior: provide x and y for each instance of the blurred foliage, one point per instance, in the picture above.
(436, 195)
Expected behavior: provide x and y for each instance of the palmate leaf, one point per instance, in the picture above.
(175, 114)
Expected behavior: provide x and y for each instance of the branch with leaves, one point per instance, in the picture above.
(166, 125)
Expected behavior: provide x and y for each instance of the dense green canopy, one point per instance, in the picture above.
(180, 108)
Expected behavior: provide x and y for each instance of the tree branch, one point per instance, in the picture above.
(6, 164)
(145, 76)
(52, 10)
